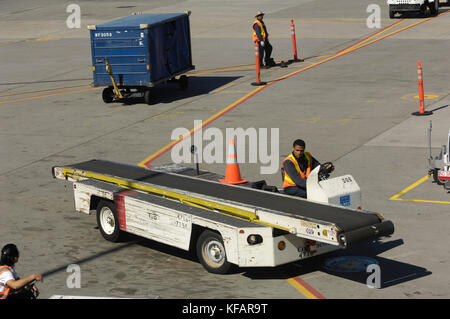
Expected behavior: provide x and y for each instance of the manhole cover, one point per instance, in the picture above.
(349, 264)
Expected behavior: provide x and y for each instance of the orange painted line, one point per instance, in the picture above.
(372, 35)
(46, 95)
(309, 289)
(146, 162)
(46, 90)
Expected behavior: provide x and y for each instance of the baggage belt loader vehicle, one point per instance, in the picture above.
(227, 225)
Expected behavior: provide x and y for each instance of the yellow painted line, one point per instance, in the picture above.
(209, 120)
(301, 289)
(46, 90)
(45, 39)
(422, 201)
(391, 33)
(247, 96)
(226, 86)
(304, 288)
(47, 95)
(374, 35)
(427, 96)
(29, 40)
(410, 187)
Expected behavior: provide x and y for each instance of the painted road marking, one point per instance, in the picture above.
(430, 96)
(303, 287)
(46, 90)
(350, 49)
(296, 282)
(47, 95)
(412, 186)
(29, 40)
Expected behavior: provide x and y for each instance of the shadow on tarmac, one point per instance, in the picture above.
(392, 272)
(171, 92)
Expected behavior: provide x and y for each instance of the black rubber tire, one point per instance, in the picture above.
(434, 8)
(108, 95)
(391, 13)
(117, 235)
(436, 177)
(183, 82)
(423, 11)
(206, 238)
(149, 97)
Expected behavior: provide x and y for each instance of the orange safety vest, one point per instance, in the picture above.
(287, 182)
(263, 33)
(4, 294)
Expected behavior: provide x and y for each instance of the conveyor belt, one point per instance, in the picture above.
(346, 219)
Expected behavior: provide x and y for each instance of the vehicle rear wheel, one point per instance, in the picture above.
(434, 8)
(108, 95)
(423, 10)
(436, 177)
(148, 97)
(391, 12)
(184, 82)
(211, 253)
(108, 222)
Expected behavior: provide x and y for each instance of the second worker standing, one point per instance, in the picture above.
(261, 36)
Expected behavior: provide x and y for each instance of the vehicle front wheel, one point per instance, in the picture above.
(108, 95)
(436, 177)
(211, 253)
(183, 82)
(107, 221)
(391, 12)
(434, 8)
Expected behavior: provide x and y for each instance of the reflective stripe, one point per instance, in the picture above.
(263, 33)
(287, 180)
(4, 294)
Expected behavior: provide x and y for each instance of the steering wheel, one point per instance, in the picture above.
(323, 172)
(26, 292)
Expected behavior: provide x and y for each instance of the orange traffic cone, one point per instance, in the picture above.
(232, 173)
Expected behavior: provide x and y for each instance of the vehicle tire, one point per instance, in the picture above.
(148, 97)
(107, 221)
(423, 10)
(184, 82)
(108, 95)
(211, 253)
(434, 8)
(391, 12)
(436, 177)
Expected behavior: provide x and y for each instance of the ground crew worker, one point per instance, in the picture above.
(296, 169)
(261, 36)
(9, 280)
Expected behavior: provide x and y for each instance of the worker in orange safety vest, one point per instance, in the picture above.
(9, 280)
(296, 169)
(261, 36)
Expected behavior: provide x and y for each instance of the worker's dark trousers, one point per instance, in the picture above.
(265, 53)
(295, 191)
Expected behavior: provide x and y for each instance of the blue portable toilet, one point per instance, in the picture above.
(142, 51)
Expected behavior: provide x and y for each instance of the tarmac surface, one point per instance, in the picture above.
(352, 108)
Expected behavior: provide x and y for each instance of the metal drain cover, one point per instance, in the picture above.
(349, 264)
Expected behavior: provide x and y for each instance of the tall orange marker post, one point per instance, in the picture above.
(258, 67)
(294, 42)
(421, 95)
